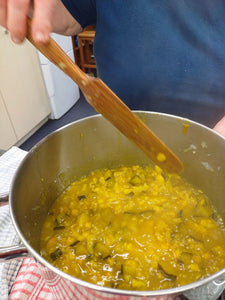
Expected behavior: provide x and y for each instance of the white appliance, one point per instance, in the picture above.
(62, 92)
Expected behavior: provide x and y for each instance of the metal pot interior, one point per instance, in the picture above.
(92, 143)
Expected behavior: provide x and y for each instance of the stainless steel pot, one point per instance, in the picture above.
(91, 143)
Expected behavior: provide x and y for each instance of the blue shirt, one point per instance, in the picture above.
(159, 50)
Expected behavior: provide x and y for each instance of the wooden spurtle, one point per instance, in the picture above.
(105, 102)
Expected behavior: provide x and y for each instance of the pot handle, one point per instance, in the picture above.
(209, 291)
(13, 252)
(4, 199)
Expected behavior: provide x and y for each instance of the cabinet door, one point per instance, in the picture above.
(7, 134)
(21, 85)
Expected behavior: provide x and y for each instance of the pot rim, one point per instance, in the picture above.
(172, 291)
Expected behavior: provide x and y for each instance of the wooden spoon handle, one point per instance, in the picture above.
(102, 98)
(57, 56)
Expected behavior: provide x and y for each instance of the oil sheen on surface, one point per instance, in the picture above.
(134, 228)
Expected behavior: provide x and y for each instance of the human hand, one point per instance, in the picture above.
(47, 16)
(220, 126)
(13, 16)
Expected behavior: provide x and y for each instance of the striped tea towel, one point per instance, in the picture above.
(9, 162)
(35, 282)
(8, 236)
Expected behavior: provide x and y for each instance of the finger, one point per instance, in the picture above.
(17, 19)
(42, 20)
(220, 126)
(3, 13)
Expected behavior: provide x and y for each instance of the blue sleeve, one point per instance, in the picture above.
(84, 11)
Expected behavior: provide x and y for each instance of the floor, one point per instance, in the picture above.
(80, 110)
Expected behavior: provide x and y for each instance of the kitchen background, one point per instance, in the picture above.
(35, 96)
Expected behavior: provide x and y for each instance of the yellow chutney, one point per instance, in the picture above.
(134, 228)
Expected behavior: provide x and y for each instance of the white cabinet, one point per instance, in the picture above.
(24, 105)
(63, 92)
(7, 133)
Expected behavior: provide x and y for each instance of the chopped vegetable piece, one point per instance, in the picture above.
(56, 254)
(81, 197)
(102, 250)
(170, 276)
(135, 180)
(75, 243)
(59, 227)
(131, 194)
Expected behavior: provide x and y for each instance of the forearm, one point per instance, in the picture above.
(67, 25)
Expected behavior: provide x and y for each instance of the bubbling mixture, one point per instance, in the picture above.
(134, 228)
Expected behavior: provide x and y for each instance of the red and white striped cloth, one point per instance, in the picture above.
(32, 284)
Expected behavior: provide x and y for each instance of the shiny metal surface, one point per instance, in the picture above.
(4, 199)
(94, 143)
(12, 252)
